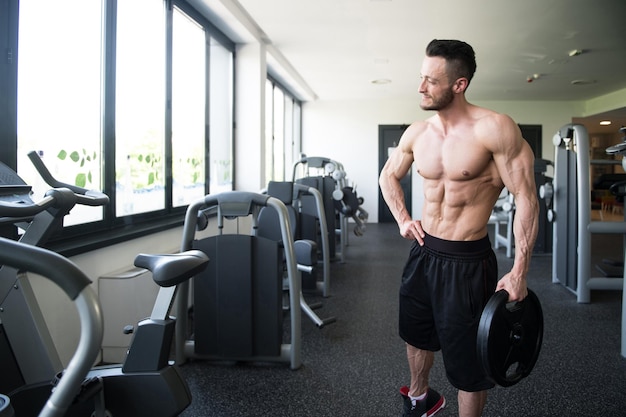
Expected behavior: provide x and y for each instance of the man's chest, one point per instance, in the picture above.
(452, 158)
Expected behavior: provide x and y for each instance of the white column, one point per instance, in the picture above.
(251, 70)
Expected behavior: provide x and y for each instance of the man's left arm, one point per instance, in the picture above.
(515, 162)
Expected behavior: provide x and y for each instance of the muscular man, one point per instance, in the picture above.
(466, 155)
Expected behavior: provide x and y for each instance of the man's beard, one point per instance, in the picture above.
(440, 103)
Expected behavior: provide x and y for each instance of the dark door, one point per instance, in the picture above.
(388, 138)
(532, 134)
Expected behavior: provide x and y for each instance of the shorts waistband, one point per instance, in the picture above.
(458, 247)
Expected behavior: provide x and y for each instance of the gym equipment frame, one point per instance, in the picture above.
(572, 225)
(238, 306)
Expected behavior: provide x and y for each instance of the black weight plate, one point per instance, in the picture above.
(509, 337)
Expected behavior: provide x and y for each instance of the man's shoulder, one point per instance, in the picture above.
(492, 123)
(497, 131)
(417, 128)
(420, 124)
(483, 114)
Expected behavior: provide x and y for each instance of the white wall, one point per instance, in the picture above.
(607, 102)
(250, 117)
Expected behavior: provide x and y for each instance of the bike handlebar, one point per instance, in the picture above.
(83, 196)
(20, 206)
(24, 209)
(55, 267)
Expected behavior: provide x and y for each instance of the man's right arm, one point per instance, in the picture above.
(396, 167)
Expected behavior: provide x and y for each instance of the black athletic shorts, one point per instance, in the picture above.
(445, 286)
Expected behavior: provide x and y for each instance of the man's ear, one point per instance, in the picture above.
(460, 85)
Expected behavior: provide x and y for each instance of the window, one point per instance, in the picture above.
(289, 136)
(59, 95)
(140, 105)
(279, 134)
(188, 109)
(282, 131)
(269, 131)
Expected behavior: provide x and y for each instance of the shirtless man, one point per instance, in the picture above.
(466, 155)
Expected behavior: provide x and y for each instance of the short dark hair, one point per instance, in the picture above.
(459, 56)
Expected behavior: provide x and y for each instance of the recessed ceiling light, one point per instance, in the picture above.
(605, 122)
(380, 81)
(583, 82)
(575, 52)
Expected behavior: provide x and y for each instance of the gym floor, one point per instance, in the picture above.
(355, 366)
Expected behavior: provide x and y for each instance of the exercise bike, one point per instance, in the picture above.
(146, 384)
(76, 285)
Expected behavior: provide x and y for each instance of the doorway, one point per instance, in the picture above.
(532, 134)
(388, 139)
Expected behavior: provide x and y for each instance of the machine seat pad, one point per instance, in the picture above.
(172, 269)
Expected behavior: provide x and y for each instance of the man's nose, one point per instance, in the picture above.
(422, 86)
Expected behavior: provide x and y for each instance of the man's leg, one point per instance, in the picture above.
(471, 404)
(420, 362)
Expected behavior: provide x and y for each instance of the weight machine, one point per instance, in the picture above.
(308, 253)
(502, 215)
(238, 301)
(570, 213)
(340, 200)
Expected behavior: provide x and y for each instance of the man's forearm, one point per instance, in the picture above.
(394, 197)
(525, 226)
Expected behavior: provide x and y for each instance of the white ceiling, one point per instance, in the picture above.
(339, 46)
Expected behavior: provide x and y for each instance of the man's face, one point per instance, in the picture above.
(435, 88)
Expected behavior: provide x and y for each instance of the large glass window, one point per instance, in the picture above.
(279, 134)
(282, 131)
(131, 97)
(269, 131)
(189, 57)
(296, 139)
(59, 96)
(289, 136)
(140, 107)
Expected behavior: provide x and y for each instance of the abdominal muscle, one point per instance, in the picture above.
(459, 210)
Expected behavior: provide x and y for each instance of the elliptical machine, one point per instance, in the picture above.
(146, 384)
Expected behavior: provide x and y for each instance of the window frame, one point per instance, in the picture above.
(85, 237)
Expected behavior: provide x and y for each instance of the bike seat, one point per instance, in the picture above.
(172, 269)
